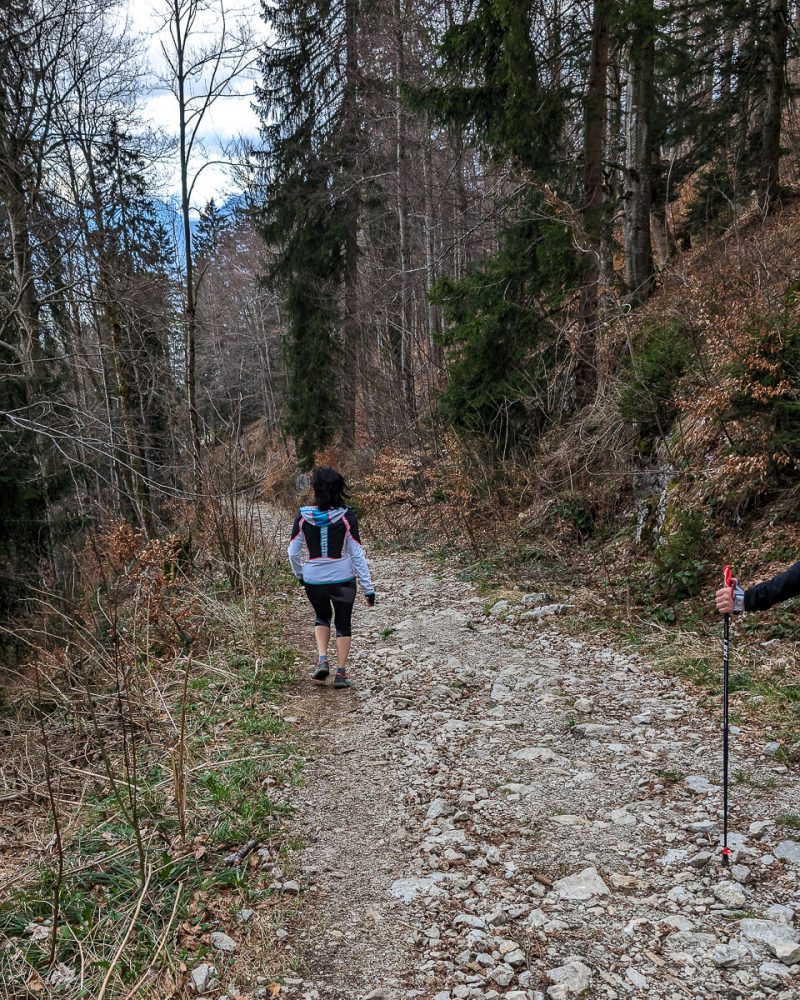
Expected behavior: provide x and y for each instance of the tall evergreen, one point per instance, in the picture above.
(23, 521)
(308, 104)
(212, 226)
(500, 88)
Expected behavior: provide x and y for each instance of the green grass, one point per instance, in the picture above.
(752, 781)
(792, 820)
(234, 796)
(672, 777)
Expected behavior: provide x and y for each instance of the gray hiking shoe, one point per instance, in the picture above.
(322, 673)
(341, 680)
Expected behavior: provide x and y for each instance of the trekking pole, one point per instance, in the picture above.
(726, 641)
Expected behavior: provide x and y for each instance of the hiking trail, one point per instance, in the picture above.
(499, 809)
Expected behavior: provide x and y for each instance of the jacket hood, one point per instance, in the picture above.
(322, 518)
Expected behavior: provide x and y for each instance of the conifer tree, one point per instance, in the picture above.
(498, 88)
(212, 226)
(309, 108)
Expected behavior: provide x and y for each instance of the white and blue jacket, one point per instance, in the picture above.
(334, 547)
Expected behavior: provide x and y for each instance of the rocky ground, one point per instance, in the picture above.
(497, 809)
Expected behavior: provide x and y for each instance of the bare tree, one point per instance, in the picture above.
(208, 52)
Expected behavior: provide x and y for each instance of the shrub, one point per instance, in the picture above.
(766, 397)
(647, 398)
(679, 559)
(577, 512)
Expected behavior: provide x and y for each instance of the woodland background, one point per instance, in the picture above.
(544, 252)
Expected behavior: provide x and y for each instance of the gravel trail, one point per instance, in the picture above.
(496, 809)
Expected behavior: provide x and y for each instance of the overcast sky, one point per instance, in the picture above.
(226, 120)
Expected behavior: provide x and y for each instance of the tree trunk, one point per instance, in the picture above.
(771, 134)
(615, 152)
(638, 165)
(593, 208)
(140, 490)
(27, 311)
(401, 142)
(350, 338)
(434, 313)
(190, 317)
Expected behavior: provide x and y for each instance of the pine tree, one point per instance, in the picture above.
(23, 508)
(309, 110)
(501, 89)
(495, 88)
(720, 69)
(212, 227)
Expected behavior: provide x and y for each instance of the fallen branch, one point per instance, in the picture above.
(238, 856)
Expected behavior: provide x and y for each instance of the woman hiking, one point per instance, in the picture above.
(329, 529)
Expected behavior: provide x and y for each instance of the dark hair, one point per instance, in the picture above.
(330, 489)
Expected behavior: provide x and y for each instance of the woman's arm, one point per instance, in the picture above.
(295, 550)
(356, 553)
(779, 588)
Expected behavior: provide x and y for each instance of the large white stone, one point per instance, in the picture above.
(730, 894)
(728, 956)
(788, 850)
(768, 932)
(689, 943)
(583, 885)
(203, 978)
(700, 785)
(222, 942)
(542, 755)
(573, 978)
(786, 952)
(592, 729)
(407, 889)
(439, 807)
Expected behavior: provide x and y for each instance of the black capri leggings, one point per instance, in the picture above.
(342, 596)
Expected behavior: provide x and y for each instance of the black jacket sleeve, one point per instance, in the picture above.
(352, 520)
(779, 588)
(296, 527)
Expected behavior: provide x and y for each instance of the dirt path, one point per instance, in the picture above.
(496, 809)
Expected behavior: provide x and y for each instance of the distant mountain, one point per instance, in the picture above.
(168, 212)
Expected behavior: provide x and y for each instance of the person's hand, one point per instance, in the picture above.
(370, 599)
(730, 600)
(724, 600)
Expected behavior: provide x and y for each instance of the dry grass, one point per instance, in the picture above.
(160, 763)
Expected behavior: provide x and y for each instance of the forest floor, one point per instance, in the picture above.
(500, 807)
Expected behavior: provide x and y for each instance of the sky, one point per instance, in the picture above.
(227, 120)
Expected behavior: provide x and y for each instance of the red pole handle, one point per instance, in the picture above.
(728, 574)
